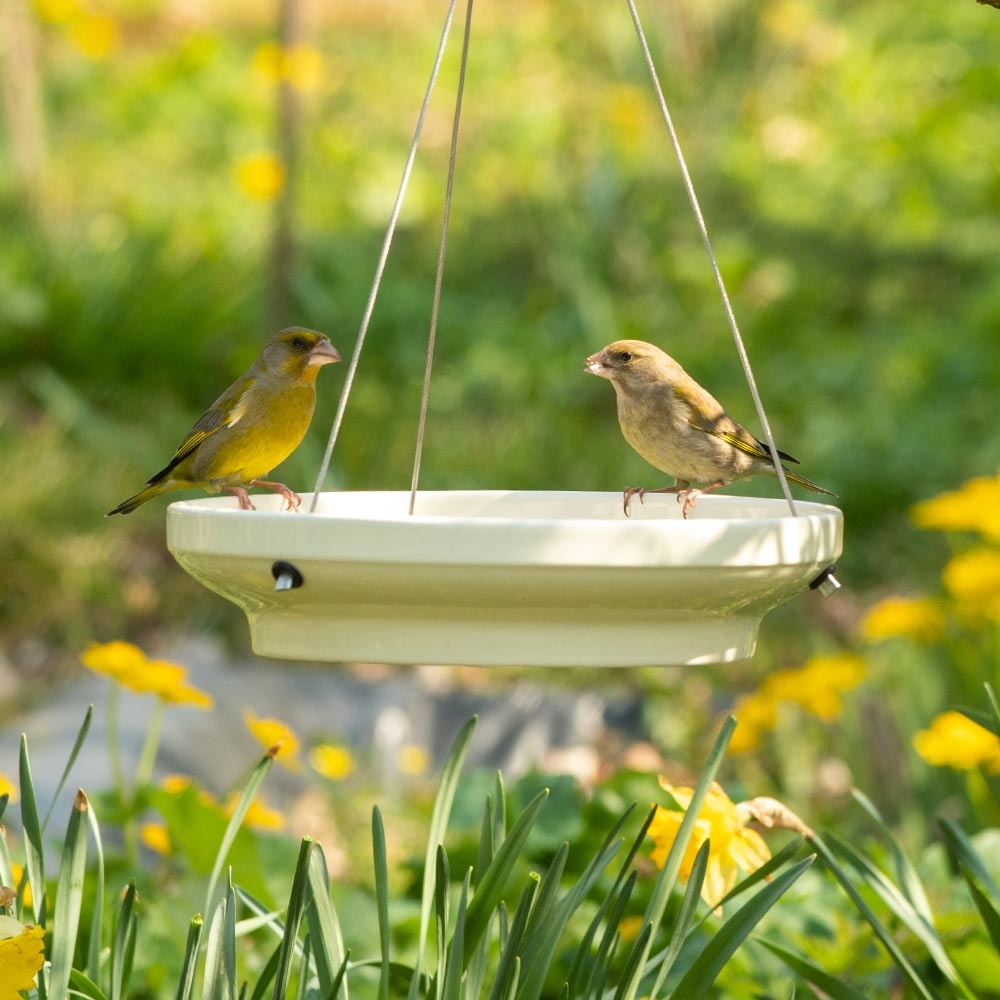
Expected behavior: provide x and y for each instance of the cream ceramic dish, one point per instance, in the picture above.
(506, 577)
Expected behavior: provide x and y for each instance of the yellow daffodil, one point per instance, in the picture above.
(156, 837)
(757, 714)
(21, 956)
(261, 176)
(973, 579)
(273, 733)
(57, 11)
(732, 846)
(128, 665)
(974, 506)
(331, 761)
(917, 618)
(954, 740)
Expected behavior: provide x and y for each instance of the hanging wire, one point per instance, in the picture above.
(436, 306)
(383, 256)
(693, 198)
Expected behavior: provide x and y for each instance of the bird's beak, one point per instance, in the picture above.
(324, 353)
(597, 365)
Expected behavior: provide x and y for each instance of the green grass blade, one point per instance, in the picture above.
(324, 927)
(492, 883)
(829, 985)
(668, 875)
(893, 898)
(698, 979)
(381, 865)
(451, 986)
(921, 988)
(340, 978)
(34, 855)
(267, 975)
(442, 887)
(69, 898)
(906, 873)
(987, 910)
(581, 978)
(991, 696)
(229, 943)
(123, 947)
(97, 921)
(960, 848)
(304, 966)
(185, 985)
(213, 954)
(293, 917)
(253, 784)
(509, 965)
(632, 970)
(439, 823)
(83, 985)
(71, 760)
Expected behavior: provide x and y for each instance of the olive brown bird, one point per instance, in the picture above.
(252, 427)
(679, 427)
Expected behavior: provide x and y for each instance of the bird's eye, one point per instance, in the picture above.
(299, 343)
(625, 356)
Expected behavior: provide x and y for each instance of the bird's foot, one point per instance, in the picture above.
(241, 495)
(640, 492)
(292, 500)
(688, 495)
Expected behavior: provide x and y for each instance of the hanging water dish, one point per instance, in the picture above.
(507, 577)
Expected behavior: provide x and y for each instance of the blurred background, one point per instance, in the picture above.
(179, 179)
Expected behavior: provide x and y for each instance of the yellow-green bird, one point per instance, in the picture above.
(252, 427)
(679, 427)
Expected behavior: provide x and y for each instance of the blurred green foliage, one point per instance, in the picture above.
(845, 156)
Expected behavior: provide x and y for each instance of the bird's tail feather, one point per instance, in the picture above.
(127, 506)
(794, 477)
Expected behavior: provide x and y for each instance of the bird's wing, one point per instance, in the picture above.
(706, 414)
(226, 411)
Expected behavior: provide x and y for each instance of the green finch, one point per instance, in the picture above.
(678, 426)
(252, 427)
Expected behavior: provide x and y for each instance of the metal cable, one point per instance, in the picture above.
(436, 305)
(693, 198)
(380, 267)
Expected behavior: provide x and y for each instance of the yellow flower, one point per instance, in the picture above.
(272, 733)
(975, 506)
(823, 678)
(300, 66)
(156, 837)
(129, 666)
(413, 760)
(259, 815)
(7, 787)
(56, 11)
(261, 176)
(918, 618)
(96, 35)
(954, 740)
(757, 714)
(973, 578)
(732, 847)
(21, 956)
(331, 761)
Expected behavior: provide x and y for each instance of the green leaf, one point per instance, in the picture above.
(85, 986)
(189, 965)
(97, 920)
(293, 917)
(830, 985)
(987, 910)
(338, 979)
(508, 972)
(69, 898)
(902, 908)
(253, 784)
(123, 947)
(34, 854)
(70, 761)
(491, 885)
(698, 979)
(324, 927)
(451, 988)
(964, 854)
(920, 986)
(439, 824)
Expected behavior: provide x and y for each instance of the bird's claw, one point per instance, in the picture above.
(630, 492)
(687, 497)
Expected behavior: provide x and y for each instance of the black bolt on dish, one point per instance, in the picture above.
(286, 576)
